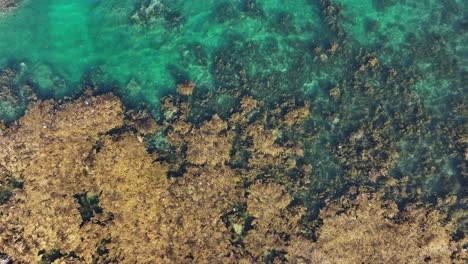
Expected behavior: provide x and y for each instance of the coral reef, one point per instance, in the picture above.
(79, 186)
(370, 230)
(276, 226)
(186, 88)
(131, 191)
(49, 149)
(287, 138)
(208, 144)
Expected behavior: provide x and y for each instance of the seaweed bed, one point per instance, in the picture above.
(233, 132)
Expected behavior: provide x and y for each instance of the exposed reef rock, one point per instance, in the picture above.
(370, 230)
(78, 186)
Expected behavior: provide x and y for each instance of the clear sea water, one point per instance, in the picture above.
(63, 39)
(140, 49)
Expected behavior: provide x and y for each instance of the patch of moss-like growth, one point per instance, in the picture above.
(7, 185)
(89, 206)
(50, 256)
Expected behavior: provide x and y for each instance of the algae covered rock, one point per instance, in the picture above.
(86, 190)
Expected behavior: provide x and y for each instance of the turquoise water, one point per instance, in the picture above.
(273, 50)
(60, 40)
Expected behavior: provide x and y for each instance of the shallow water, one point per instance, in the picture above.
(64, 39)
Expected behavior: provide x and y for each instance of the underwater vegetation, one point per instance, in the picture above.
(243, 131)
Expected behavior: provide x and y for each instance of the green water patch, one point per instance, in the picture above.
(148, 47)
(424, 36)
(398, 24)
(51, 38)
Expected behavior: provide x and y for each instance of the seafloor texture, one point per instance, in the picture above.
(242, 131)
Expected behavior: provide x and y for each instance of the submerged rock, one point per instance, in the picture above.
(14, 95)
(147, 11)
(7, 5)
